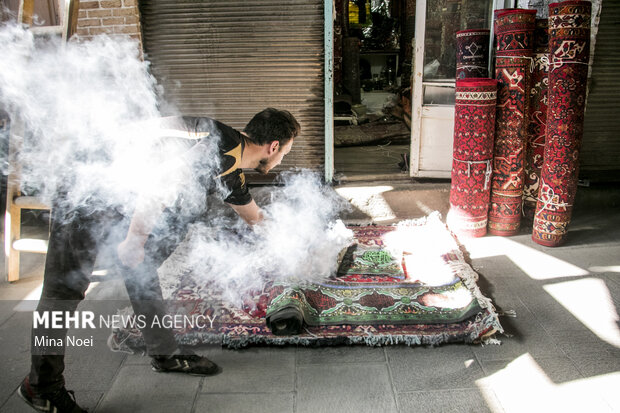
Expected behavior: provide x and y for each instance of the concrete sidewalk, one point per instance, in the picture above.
(561, 351)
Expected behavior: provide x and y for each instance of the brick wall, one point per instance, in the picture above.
(111, 17)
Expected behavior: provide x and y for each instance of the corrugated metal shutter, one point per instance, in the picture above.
(231, 59)
(600, 155)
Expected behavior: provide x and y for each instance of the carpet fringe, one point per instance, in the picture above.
(484, 329)
(509, 313)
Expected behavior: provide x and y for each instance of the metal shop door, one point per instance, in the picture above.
(231, 59)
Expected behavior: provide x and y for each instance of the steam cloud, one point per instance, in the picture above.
(86, 111)
(75, 101)
(300, 239)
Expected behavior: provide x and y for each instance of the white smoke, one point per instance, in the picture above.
(300, 239)
(86, 108)
(75, 101)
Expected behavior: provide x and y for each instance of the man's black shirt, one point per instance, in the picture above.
(230, 145)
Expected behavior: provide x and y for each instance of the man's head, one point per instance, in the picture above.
(274, 130)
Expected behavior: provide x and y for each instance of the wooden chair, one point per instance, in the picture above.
(14, 244)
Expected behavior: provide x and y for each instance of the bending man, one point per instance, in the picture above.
(160, 221)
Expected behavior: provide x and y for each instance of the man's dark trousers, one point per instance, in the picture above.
(76, 237)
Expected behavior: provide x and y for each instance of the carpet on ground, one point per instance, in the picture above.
(408, 283)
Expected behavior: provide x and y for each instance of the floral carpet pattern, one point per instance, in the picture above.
(432, 299)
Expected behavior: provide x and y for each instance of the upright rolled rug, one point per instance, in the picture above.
(474, 130)
(569, 54)
(537, 117)
(472, 53)
(514, 30)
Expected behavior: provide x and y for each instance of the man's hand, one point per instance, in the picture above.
(250, 213)
(131, 251)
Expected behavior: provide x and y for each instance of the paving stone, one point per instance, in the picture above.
(14, 368)
(246, 402)
(596, 364)
(6, 310)
(138, 388)
(91, 375)
(450, 401)
(88, 399)
(612, 282)
(550, 314)
(588, 257)
(14, 404)
(15, 334)
(556, 369)
(432, 368)
(138, 359)
(340, 354)
(254, 370)
(576, 343)
(602, 374)
(14, 352)
(523, 335)
(540, 384)
(503, 292)
(181, 404)
(344, 388)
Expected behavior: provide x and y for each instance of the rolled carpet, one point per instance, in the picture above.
(514, 30)
(474, 131)
(437, 302)
(537, 117)
(287, 321)
(472, 53)
(569, 54)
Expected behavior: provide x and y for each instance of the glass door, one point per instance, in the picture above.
(437, 22)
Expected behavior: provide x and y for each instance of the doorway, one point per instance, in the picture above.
(372, 89)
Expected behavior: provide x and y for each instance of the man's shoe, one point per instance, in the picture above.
(185, 363)
(59, 401)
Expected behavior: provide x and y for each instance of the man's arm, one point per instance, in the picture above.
(250, 213)
(131, 250)
(164, 189)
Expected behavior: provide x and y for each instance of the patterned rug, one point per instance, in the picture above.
(569, 49)
(537, 127)
(434, 299)
(472, 53)
(514, 30)
(474, 131)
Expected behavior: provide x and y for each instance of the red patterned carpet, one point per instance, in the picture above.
(474, 131)
(514, 29)
(438, 300)
(472, 53)
(537, 118)
(569, 49)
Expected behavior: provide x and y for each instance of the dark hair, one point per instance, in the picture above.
(272, 125)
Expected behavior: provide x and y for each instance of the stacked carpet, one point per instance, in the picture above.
(474, 131)
(472, 53)
(514, 29)
(537, 117)
(569, 52)
(431, 298)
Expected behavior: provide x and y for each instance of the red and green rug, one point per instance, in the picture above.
(406, 284)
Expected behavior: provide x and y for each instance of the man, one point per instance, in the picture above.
(159, 223)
